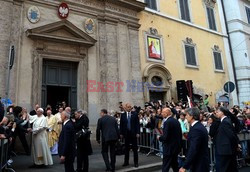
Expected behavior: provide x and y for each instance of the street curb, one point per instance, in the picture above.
(149, 167)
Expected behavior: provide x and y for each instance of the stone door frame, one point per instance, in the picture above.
(161, 71)
(49, 44)
(82, 76)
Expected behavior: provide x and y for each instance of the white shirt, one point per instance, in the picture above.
(223, 118)
(128, 113)
(194, 123)
(66, 121)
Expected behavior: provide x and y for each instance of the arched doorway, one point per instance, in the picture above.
(158, 83)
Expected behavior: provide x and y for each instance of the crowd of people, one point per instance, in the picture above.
(59, 134)
(179, 129)
(152, 123)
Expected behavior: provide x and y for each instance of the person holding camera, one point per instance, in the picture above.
(84, 148)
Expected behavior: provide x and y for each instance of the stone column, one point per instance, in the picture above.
(112, 74)
(137, 96)
(124, 61)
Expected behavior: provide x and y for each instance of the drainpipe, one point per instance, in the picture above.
(231, 50)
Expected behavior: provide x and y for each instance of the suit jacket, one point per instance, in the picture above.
(135, 124)
(172, 137)
(108, 126)
(197, 157)
(1, 111)
(83, 122)
(66, 144)
(214, 130)
(226, 140)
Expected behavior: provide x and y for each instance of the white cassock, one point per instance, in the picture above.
(40, 149)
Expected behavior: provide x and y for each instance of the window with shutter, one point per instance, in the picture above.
(248, 14)
(184, 9)
(152, 4)
(190, 55)
(218, 61)
(211, 18)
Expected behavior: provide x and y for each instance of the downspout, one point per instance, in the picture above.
(231, 50)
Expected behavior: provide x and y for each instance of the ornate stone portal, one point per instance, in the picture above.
(158, 80)
(59, 41)
(108, 54)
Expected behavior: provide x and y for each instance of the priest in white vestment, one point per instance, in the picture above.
(40, 149)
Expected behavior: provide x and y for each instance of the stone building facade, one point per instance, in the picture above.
(68, 58)
(238, 20)
(192, 45)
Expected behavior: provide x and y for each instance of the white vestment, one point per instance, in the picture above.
(40, 149)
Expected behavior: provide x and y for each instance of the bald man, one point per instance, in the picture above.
(171, 140)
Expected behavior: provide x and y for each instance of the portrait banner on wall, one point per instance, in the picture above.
(154, 48)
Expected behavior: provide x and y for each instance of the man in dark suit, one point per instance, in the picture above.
(84, 148)
(1, 110)
(108, 127)
(66, 145)
(226, 142)
(197, 157)
(171, 140)
(130, 130)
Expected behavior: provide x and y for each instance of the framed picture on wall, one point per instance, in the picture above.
(154, 48)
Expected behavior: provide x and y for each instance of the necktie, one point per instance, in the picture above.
(129, 121)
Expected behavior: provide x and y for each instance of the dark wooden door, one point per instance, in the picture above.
(61, 75)
(155, 96)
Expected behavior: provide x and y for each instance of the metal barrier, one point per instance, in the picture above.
(4, 158)
(148, 142)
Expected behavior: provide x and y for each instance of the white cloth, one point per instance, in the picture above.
(163, 121)
(194, 123)
(65, 122)
(54, 149)
(223, 118)
(40, 149)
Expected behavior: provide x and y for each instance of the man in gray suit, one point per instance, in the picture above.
(108, 127)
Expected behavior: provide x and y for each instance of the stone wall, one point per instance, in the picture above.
(10, 19)
(114, 57)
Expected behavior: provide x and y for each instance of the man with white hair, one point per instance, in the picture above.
(68, 109)
(40, 149)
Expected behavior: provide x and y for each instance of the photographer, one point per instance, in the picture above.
(7, 127)
(22, 127)
(84, 148)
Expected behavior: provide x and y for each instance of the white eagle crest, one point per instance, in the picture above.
(63, 11)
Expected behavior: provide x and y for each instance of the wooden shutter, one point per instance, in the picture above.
(248, 14)
(190, 55)
(218, 61)
(184, 10)
(211, 18)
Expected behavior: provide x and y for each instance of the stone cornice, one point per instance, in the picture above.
(130, 4)
(46, 33)
(103, 10)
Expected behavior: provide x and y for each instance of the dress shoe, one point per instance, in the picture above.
(136, 166)
(125, 164)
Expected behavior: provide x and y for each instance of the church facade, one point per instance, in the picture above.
(84, 52)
